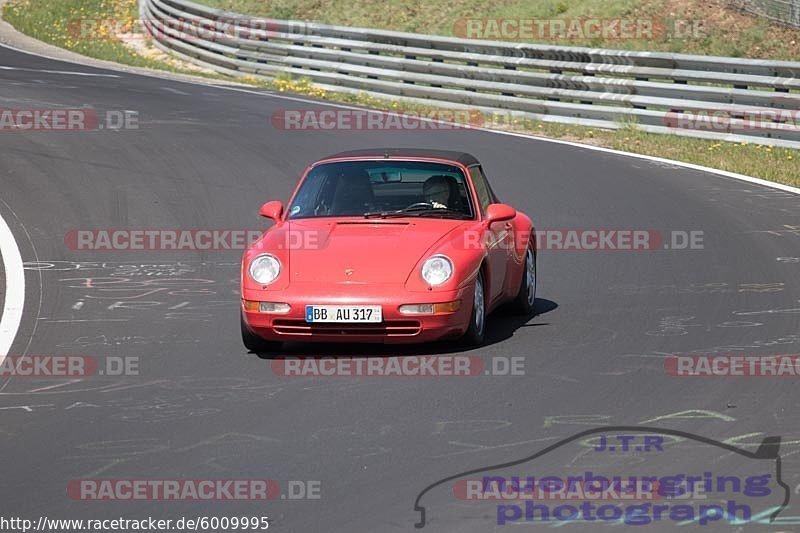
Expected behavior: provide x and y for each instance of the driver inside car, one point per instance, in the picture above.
(438, 191)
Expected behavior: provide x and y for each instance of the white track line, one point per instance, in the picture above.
(65, 72)
(14, 300)
(742, 177)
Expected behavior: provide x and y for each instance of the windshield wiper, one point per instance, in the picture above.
(398, 213)
(416, 212)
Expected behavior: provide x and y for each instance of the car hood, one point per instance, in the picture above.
(357, 251)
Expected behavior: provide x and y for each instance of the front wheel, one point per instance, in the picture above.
(476, 332)
(254, 343)
(526, 297)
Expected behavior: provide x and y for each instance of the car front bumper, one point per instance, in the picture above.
(395, 328)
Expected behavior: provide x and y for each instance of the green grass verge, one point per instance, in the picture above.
(54, 22)
(688, 26)
(48, 20)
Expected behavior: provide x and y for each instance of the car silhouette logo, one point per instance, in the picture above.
(768, 451)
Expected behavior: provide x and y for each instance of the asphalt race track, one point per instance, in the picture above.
(201, 407)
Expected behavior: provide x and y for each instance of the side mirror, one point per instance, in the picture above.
(499, 213)
(272, 210)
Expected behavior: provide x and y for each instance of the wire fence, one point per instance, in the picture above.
(784, 11)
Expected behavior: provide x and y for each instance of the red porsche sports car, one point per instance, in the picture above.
(388, 246)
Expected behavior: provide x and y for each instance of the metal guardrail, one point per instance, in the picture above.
(740, 100)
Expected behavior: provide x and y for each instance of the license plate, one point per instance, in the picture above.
(343, 313)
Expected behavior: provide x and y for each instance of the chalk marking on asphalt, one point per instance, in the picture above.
(474, 447)
(27, 408)
(40, 389)
(176, 91)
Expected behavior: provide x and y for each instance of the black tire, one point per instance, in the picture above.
(526, 298)
(257, 344)
(476, 332)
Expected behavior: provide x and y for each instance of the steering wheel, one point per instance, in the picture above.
(419, 204)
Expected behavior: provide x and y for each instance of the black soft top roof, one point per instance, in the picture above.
(411, 153)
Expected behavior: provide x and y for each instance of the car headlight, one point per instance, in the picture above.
(265, 269)
(437, 269)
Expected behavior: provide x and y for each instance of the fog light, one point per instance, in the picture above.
(265, 307)
(416, 309)
(274, 307)
(430, 309)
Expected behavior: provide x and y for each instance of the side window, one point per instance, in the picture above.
(482, 189)
(314, 196)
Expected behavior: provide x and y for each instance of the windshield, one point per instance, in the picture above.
(383, 188)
